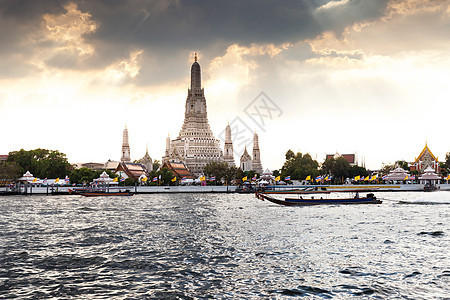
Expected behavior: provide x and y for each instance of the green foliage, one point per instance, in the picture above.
(299, 166)
(42, 162)
(402, 164)
(86, 176)
(357, 170)
(10, 171)
(221, 170)
(82, 176)
(385, 169)
(130, 182)
(156, 165)
(277, 173)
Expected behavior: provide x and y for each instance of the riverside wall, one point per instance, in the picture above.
(43, 190)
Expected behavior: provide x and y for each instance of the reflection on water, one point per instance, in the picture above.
(223, 246)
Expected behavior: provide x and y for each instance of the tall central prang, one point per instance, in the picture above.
(195, 145)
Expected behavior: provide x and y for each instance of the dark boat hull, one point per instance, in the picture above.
(308, 202)
(100, 193)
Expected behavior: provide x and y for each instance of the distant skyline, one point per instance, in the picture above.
(369, 77)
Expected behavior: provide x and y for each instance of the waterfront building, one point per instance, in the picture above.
(246, 161)
(179, 170)
(350, 158)
(228, 156)
(125, 147)
(398, 174)
(130, 170)
(111, 165)
(425, 160)
(195, 145)
(256, 161)
(105, 179)
(429, 176)
(146, 161)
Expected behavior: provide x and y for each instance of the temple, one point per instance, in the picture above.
(228, 149)
(125, 147)
(249, 163)
(425, 160)
(195, 145)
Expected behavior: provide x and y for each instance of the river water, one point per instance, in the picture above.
(223, 246)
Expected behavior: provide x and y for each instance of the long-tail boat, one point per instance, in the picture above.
(100, 192)
(368, 199)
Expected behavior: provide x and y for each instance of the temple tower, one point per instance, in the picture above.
(256, 162)
(228, 150)
(125, 147)
(246, 161)
(195, 145)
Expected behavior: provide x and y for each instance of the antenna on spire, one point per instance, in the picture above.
(195, 56)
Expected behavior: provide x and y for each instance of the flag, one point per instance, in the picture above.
(406, 178)
(357, 178)
(122, 179)
(319, 178)
(367, 178)
(308, 177)
(448, 177)
(412, 177)
(35, 179)
(202, 178)
(184, 178)
(174, 179)
(144, 178)
(245, 178)
(278, 178)
(384, 177)
(45, 180)
(254, 178)
(328, 178)
(56, 180)
(155, 179)
(116, 179)
(66, 179)
(374, 177)
(287, 178)
(212, 178)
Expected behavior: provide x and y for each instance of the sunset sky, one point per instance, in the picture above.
(370, 77)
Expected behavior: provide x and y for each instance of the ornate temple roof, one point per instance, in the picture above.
(425, 150)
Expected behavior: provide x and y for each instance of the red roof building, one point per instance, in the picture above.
(425, 159)
(178, 169)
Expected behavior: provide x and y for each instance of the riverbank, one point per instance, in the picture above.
(44, 190)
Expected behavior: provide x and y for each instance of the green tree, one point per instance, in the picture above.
(82, 176)
(42, 162)
(385, 169)
(217, 169)
(341, 170)
(402, 164)
(156, 165)
(299, 166)
(10, 171)
(357, 170)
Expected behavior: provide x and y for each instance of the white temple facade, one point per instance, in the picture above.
(246, 161)
(195, 145)
(125, 147)
(228, 149)
(256, 162)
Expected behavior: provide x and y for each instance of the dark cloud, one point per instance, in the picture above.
(168, 30)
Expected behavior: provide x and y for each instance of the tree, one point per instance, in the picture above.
(341, 169)
(221, 170)
(358, 171)
(42, 162)
(156, 165)
(386, 169)
(82, 176)
(86, 176)
(402, 164)
(299, 166)
(9, 171)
